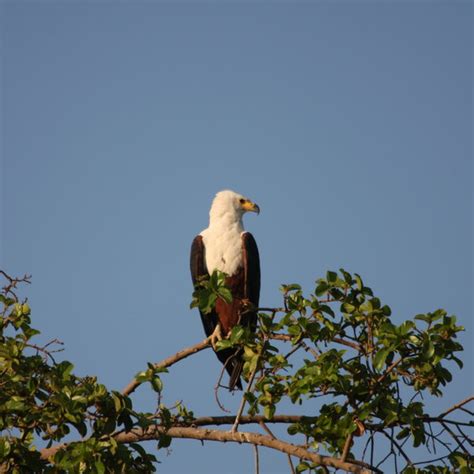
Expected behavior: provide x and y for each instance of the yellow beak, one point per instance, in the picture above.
(250, 206)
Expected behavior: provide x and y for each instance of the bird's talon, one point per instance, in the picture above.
(216, 336)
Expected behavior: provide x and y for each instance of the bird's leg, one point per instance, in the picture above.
(216, 336)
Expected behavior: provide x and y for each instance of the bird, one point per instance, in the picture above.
(227, 247)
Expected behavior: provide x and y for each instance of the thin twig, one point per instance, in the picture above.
(453, 435)
(242, 403)
(389, 369)
(455, 407)
(347, 446)
(400, 450)
(218, 385)
(13, 282)
(257, 461)
(46, 352)
(431, 460)
(310, 350)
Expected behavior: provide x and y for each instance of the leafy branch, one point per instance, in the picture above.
(337, 347)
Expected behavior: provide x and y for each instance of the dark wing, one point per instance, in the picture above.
(198, 270)
(251, 292)
(229, 357)
(252, 268)
(209, 321)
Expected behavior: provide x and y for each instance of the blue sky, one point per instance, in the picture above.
(348, 123)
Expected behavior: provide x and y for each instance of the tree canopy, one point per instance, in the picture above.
(356, 380)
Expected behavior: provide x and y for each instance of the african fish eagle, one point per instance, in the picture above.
(225, 246)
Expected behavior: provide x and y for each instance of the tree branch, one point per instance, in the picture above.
(400, 449)
(347, 447)
(243, 437)
(186, 432)
(170, 361)
(455, 407)
(257, 460)
(13, 282)
(338, 340)
(267, 429)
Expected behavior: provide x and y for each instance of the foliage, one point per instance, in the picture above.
(42, 398)
(337, 345)
(358, 360)
(209, 290)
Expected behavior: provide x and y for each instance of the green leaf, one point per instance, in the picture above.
(302, 466)
(423, 317)
(142, 376)
(348, 308)
(331, 276)
(236, 334)
(379, 359)
(293, 429)
(428, 350)
(327, 309)
(390, 418)
(458, 361)
(117, 402)
(66, 368)
(99, 467)
(4, 448)
(164, 441)
(269, 411)
(157, 384)
(81, 428)
(225, 294)
(347, 276)
(405, 432)
(223, 344)
(322, 288)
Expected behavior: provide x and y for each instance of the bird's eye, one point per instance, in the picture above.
(242, 200)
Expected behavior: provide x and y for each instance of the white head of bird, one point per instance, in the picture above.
(230, 206)
(222, 238)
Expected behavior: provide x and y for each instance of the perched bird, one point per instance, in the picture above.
(225, 246)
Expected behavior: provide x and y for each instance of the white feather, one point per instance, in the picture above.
(223, 238)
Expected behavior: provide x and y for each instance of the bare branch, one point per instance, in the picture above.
(455, 407)
(13, 282)
(47, 353)
(244, 437)
(154, 432)
(453, 435)
(400, 449)
(257, 460)
(347, 446)
(218, 385)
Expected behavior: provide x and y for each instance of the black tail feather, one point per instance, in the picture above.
(234, 363)
(235, 369)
